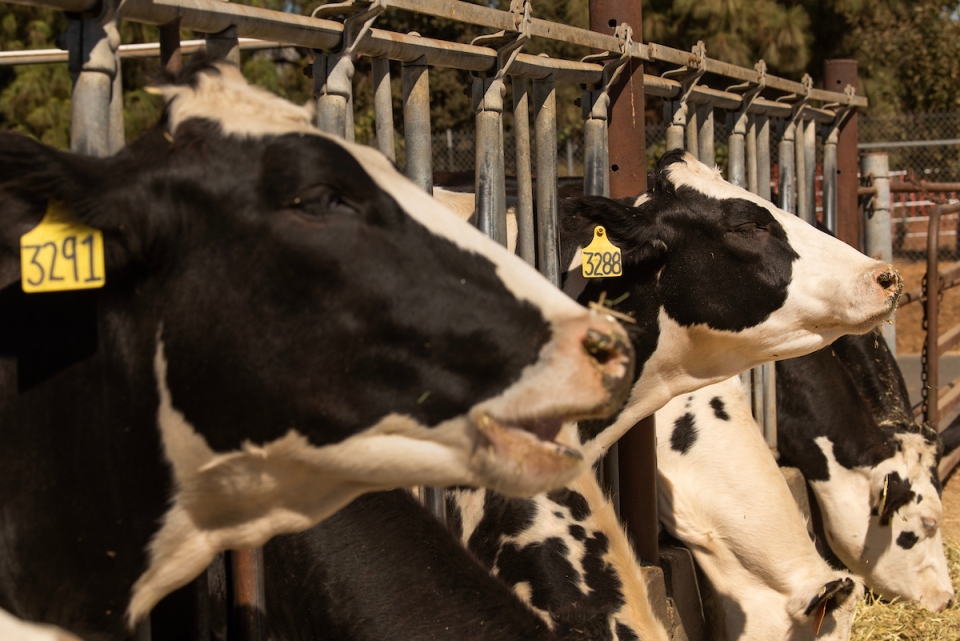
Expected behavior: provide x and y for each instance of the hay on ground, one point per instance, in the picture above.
(877, 620)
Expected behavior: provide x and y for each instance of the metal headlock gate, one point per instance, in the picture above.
(759, 109)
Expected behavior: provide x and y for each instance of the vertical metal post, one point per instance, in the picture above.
(763, 155)
(877, 234)
(931, 298)
(768, 373)
(416, 122)
(788, 201)
(799, 160)
(94, 61)
(736, 160)
(383, 107)
(692, 131)
(830, 177)
(224, 46)
(637, 450)
(249, 601)
(490, 191)
(810, 169)
(569, 156)
(333, 85)
(837, 74)
(596, 178)
(752, 164)
(545, 116)
(676, 114)
(451, 164)
(526, 244)
(705, 137)
(171, 56)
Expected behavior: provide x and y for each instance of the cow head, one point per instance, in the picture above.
(313, 324)
(718, 280)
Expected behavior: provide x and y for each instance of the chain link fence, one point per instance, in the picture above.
(921, 147)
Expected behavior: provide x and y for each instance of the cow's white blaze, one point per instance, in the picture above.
(725, 497)
(919, 573)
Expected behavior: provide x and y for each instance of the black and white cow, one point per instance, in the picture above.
(287, 323)
(843, 419)
(717, 280)
(721, 493)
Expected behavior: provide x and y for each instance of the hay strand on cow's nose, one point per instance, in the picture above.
(602, 306)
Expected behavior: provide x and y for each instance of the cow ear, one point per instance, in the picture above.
(31, 176)
(894, 494)
(632, 228)
(829, 597)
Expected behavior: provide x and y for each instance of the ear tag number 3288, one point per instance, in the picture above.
(601, 258)
(60, 254)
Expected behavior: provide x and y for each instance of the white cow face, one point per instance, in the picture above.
(885, 523)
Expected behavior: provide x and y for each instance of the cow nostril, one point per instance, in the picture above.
(602, 347)
(949, 604)
(889, 280)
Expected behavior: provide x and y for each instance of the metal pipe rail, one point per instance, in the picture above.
(213, 16)
(134, 51)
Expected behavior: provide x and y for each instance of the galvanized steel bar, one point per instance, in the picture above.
(705, 137)
(788, 198)
(768, 374)
(838, 74)
(736, 158)
(93, 50)
(383, 107)
(127, 52)
(170, 47)
(763, 155)
(799, 159)
(810, 168)
(675, 113)
(526, 243)
(416, 123)
(596, 177)
(489, 185)
(830, 178)
(878, 240)
(224, 45)
(333, 86)
(751, 142)
(545, 117)
(692, 130)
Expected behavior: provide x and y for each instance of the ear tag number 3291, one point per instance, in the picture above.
(60, 254)
(601, 258)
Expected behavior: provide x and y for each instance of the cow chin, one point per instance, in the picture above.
(515, 462)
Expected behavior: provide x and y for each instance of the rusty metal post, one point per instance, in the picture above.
(628, 177)
(931, 295)
(171, 57)
(249, 602)
(837, 74)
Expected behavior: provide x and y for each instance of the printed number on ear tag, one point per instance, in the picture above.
(60, 254)
(601, 258)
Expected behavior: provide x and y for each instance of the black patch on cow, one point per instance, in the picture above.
(544, 565)
(935, 480)
(454, 516)
(898, 495)
(907, 539)
(625, 633)
(502, 516)
(684, 434)
(573, 501)
(577, 532)
(718, 408)
(833, 594)
(816, 396)
(559, 515)
(919, 498)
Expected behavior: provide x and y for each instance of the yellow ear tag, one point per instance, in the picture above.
(60, 254)
(601, 258)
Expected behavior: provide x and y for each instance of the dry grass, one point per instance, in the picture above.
(879, 621)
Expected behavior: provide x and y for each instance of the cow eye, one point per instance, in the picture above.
(743, 228)
(321, 201)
